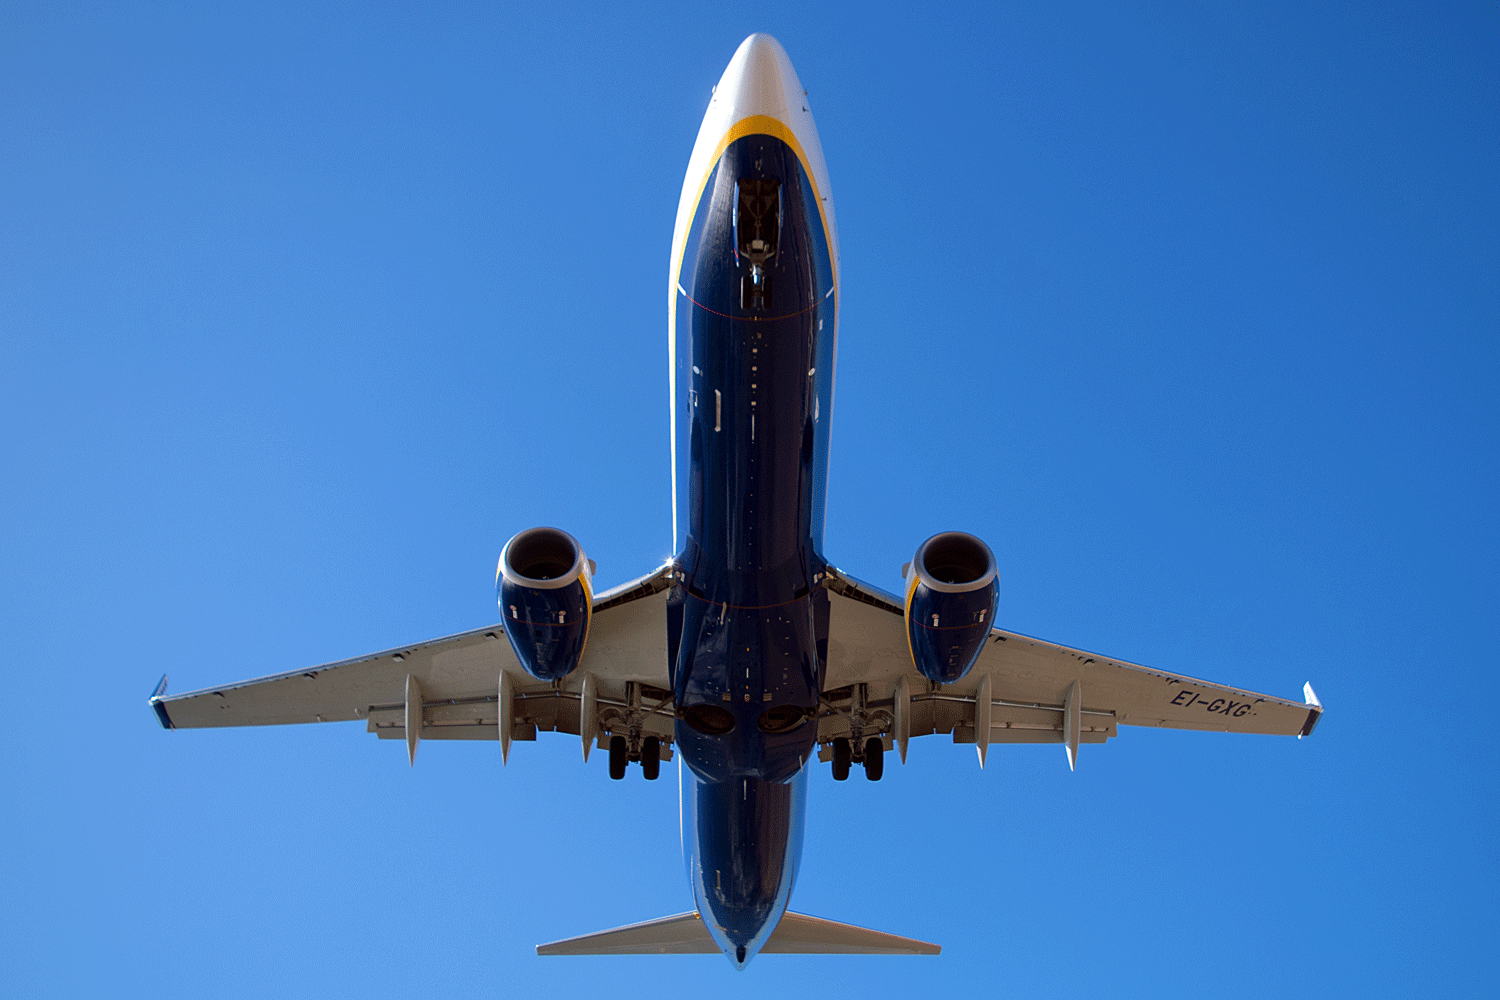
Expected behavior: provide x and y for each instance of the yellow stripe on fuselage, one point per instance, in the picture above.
(754, 125)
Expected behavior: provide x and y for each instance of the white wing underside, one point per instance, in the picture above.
(459, 680)
(1039, 692)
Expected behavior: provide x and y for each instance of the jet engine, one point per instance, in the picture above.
(546, 595)
(951, 589)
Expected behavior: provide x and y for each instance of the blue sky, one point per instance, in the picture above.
(1190, 312)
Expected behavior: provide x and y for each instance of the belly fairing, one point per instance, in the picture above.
(759, 670)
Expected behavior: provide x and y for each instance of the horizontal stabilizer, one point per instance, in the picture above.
(799, 934)
(684, 934)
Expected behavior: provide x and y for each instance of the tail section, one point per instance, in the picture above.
(800, 934)
(684, 934)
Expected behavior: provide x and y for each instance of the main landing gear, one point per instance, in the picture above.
(620, 757)
(873, 758)
(650, 758)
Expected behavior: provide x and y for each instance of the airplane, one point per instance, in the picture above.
(748, 651)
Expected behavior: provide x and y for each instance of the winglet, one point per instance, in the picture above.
(1315, 711)
(161, 710)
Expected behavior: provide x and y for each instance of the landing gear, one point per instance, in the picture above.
(619, 756)
(650, 758)
(857, 748)
(874, 758)
(871, 755)
(841, 755)
(627, 742)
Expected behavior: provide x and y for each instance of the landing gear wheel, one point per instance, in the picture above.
(619, 756)
(840, 758)
(650, 757)
(874, 758)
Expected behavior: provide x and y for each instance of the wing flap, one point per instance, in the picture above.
(479, 719)
(953, 713)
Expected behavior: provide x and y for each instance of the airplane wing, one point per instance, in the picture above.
(454, 685)
(1037, 692)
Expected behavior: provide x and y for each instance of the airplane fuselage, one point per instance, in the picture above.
(753, 338)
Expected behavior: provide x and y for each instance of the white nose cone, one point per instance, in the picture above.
(759, 93)
(759, 81)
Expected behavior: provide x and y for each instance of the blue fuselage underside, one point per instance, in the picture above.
(748, 621)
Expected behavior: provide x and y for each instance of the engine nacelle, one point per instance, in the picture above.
(546, 593)
(951, 589)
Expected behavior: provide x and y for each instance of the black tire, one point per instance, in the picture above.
(874, 758)
(650, 757)
(619, 756)
(841, 758)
